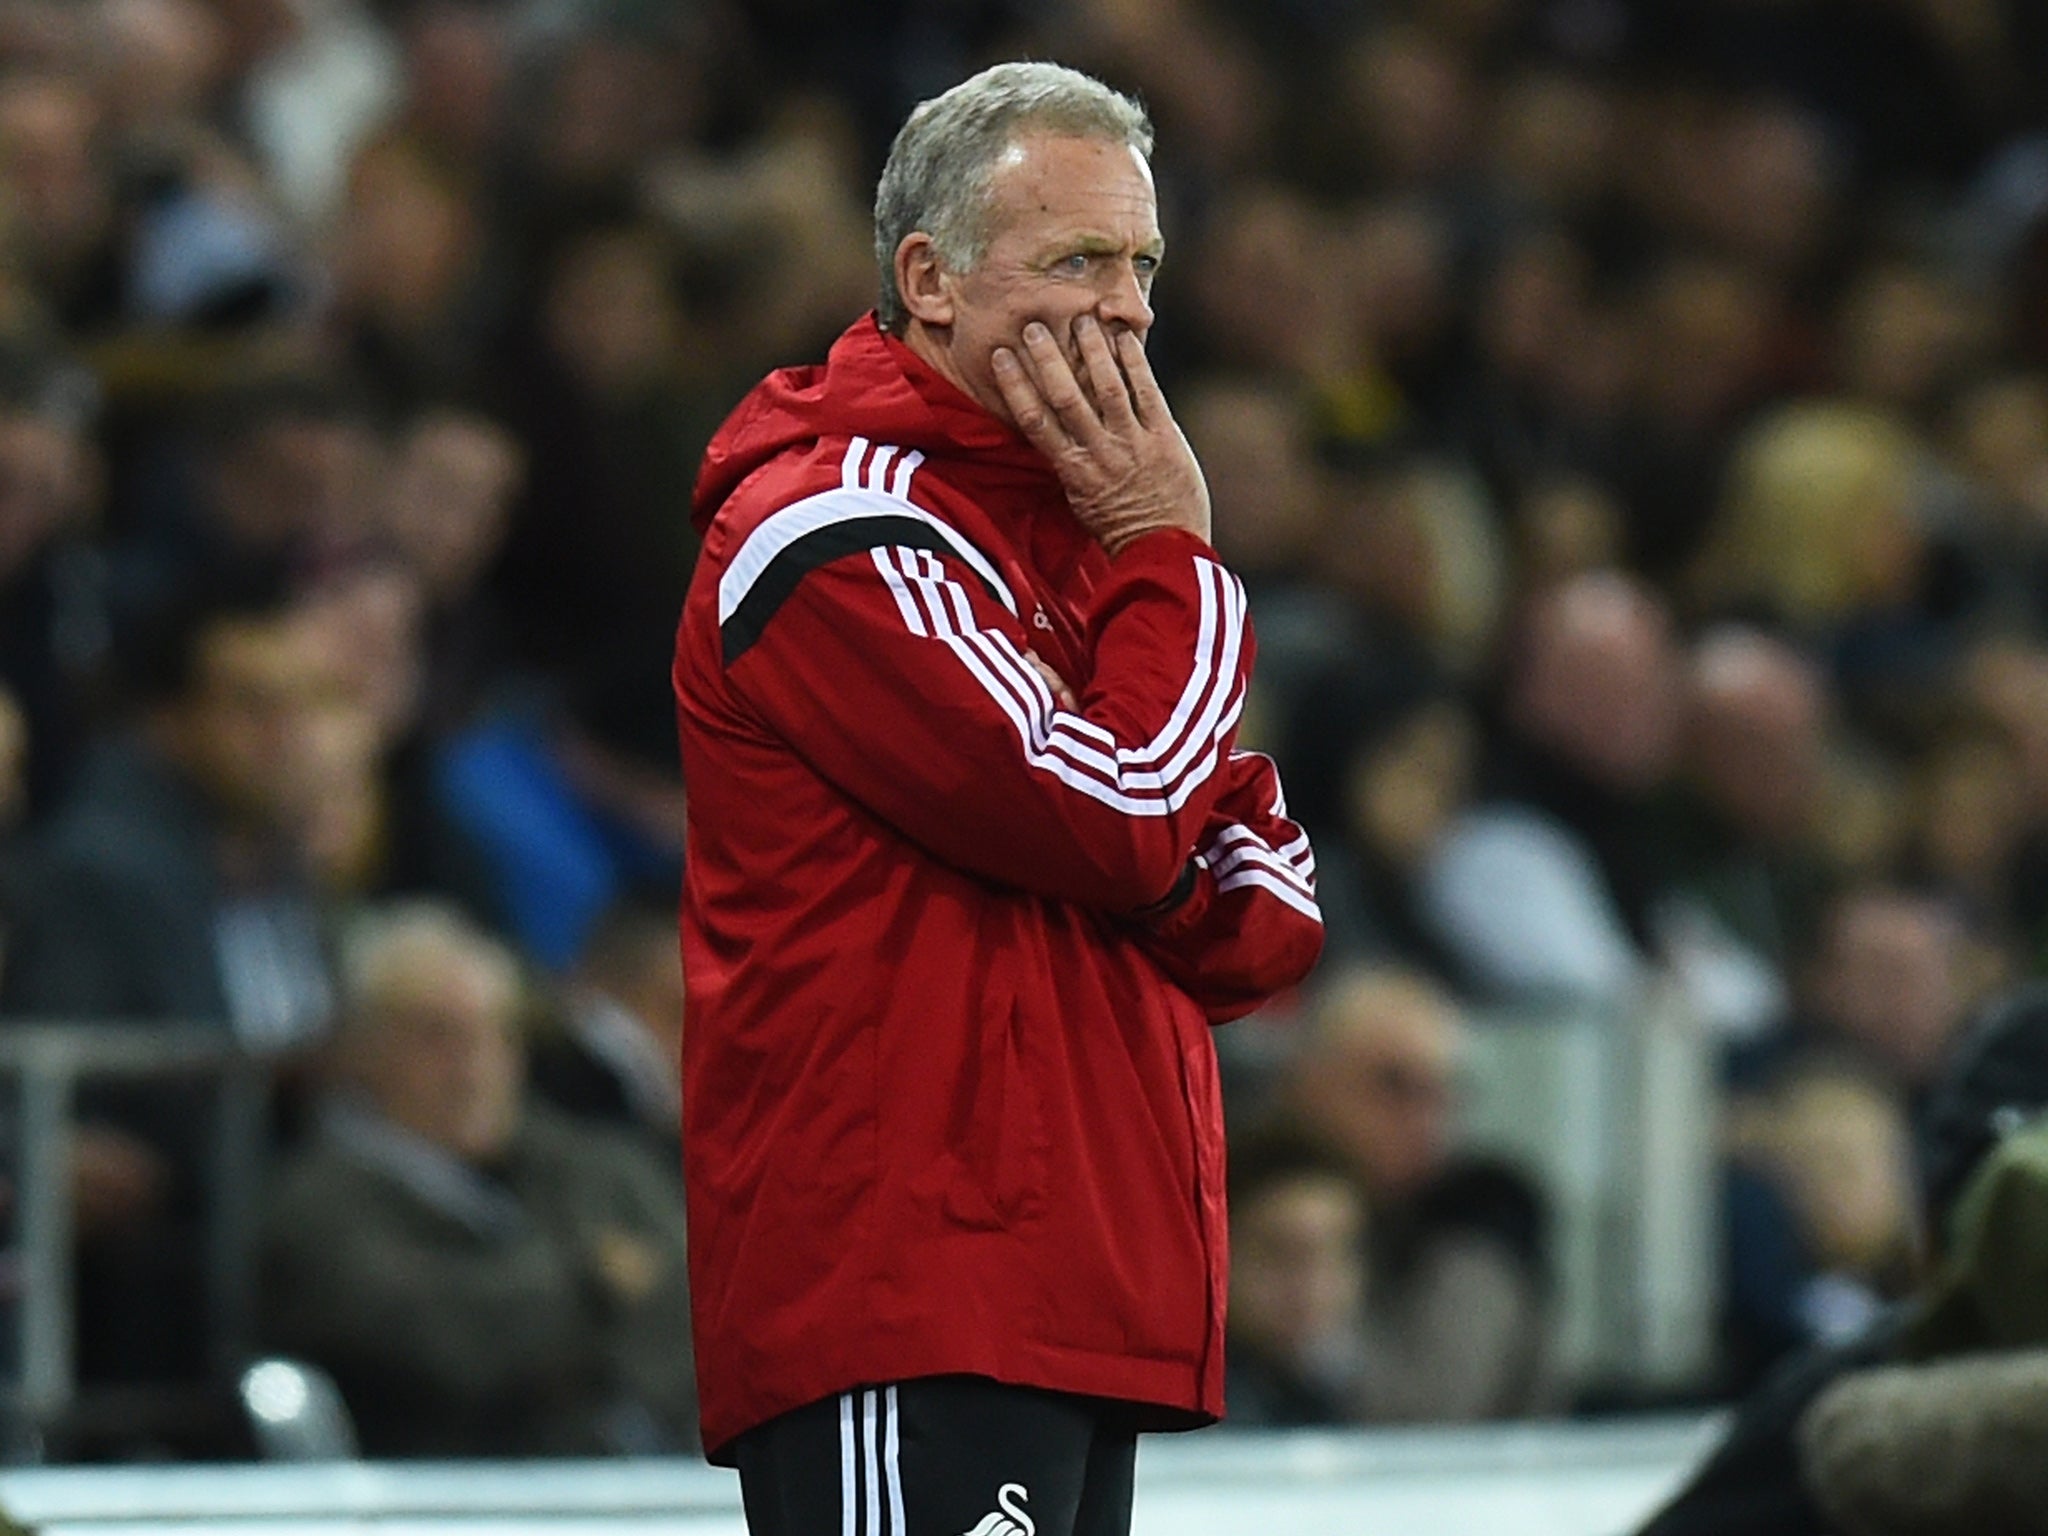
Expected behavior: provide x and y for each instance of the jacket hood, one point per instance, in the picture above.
(870, 385)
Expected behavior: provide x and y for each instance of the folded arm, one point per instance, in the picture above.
(888, 652)
(1248, 925)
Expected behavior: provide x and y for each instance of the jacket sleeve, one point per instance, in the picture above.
(1249, 926)
(887, 651)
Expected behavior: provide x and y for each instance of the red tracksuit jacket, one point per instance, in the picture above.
(949, 1105)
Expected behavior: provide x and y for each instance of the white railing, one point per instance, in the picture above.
(43, 1066)
(1530, 1480)
(1617, 1116)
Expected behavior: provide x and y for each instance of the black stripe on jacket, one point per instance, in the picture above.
(821, 546)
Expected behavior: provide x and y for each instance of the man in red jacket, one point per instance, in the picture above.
(973, 864)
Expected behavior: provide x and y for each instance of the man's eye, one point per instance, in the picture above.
(1078, 262)
(1148, 265)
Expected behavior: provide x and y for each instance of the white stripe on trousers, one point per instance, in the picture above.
(874, 1499)
(846, 1464)
(894, 1470)
(860, 1493)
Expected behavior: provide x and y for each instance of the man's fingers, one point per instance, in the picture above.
(1056, 382)
(1112, 395)
(1052, 679)
(1028, 408)
(1144, 388)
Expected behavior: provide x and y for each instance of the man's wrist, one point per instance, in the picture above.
(1116, 546)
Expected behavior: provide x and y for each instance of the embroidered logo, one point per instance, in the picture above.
(1010, 1519)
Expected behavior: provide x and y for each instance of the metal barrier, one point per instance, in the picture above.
(1618, 1118)
(47, 1064)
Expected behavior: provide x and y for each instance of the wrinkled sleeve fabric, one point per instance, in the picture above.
(1250, 925)
(887, 651)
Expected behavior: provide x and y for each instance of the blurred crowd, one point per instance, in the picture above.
(1629, 416)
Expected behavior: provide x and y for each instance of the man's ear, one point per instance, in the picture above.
(923, 281)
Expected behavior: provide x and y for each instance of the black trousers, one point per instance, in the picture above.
(940, 1456)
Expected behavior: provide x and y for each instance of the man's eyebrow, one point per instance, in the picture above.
(1103, 245)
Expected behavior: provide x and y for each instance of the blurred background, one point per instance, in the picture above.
(1630, 418)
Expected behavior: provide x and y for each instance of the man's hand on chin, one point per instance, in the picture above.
(1121, 456)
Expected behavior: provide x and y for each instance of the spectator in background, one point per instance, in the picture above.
(1410, 542)
(1701, 327)
(376, 826)
(616, 1053)
(416, 296)
(173, 885)
(571, 790)
(1261, 306)
(2005, 681)
(269, 485)
(1782, 1449)
(1970, 820)
(1747, 872)
(601, 391)
(1298, 1243)
(1819, 528)
(1822, 1229)
(53, 164)
(481, 1277)
(569, 808)
(1384, 759)
(458, 77)
(1997, 436)
(446, 502)
(1254, 439)
(160, 63)
(53, 619)
(1819, 1201)
(311, 85)
(1456, 1317)
(1889, 981)
(1547, 888)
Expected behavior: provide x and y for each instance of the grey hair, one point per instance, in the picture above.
(940, 167)
(387, 945)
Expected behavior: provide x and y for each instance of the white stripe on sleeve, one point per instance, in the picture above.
(1053, 739)
(1286, 890)
(1294, 858)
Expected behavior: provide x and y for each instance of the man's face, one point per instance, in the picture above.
(444, 1058)
(257, 686)
(1383, 1090)
(1074, 230)
(1889, 980)
(41, 484)
(1297, 1264)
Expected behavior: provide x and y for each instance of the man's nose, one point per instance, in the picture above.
(1124, 303)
